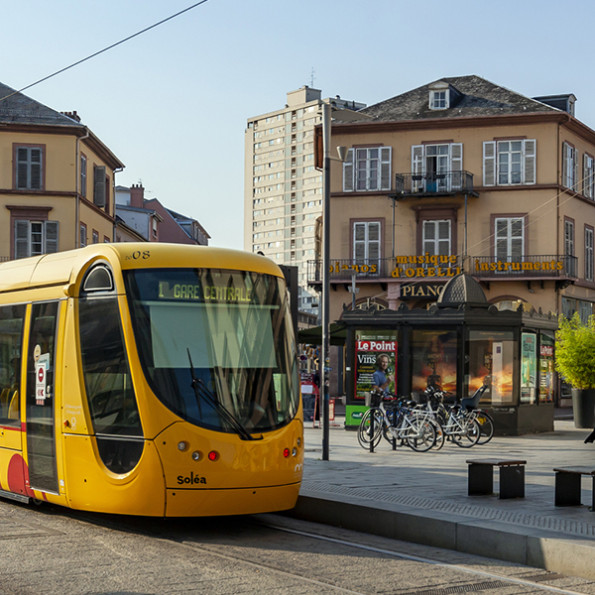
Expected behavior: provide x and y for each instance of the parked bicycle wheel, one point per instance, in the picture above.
(420, 434)
(364, 433)
(440, 434)
(470, 436)
(486, 426)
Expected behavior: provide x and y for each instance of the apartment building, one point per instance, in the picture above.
(56, 180)
(282, 188)
(462, 175)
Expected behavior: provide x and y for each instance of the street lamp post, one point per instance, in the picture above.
(326, 185)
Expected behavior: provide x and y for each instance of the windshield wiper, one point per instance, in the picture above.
(201, 390)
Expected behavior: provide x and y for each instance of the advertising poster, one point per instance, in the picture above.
(528, 367)
(546, 369)
(375, 362)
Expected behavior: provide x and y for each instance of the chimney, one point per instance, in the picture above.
(137, 196)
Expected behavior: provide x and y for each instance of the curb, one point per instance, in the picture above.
(538, 548)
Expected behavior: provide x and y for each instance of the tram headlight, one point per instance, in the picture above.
(299, 442)
(294, 452)
(196, 455)
(182, 445)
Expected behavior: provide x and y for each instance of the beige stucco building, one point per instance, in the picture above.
(282, 189)
(464, 175)
(56, 180)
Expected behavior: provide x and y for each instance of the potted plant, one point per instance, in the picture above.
(575, 361)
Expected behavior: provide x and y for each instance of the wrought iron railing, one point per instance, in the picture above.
(432, 266)
(450, 182)
(555, 266)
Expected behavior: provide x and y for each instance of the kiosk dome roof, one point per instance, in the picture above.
(461, 289)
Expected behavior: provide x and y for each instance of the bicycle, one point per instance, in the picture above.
(401, 423)
(458, 425)
(484, 419)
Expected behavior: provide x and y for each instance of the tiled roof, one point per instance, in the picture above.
(20, 109)
(476, 97)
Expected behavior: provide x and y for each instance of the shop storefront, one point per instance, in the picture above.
(455, 344)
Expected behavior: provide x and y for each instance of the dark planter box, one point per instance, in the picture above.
(583, 407)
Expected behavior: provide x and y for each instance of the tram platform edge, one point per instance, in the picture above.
(422, 498)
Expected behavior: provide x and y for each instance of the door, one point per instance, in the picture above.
(41, 435)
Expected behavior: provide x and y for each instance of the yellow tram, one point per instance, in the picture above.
(149, 379)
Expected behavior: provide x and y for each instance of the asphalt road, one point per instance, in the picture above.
(51, 550)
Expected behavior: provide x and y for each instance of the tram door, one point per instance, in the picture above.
(41, 436)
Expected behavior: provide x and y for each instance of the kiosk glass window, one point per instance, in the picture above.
(491, 353)
(434, 359)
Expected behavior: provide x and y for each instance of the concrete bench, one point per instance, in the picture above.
(481, 477)
(568, 485)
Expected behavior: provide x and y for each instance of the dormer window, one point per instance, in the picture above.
(439, 99)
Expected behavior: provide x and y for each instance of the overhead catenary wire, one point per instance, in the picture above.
(109, 47)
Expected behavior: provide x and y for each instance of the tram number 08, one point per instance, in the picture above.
(139, 255)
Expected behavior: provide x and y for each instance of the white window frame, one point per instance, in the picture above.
(367, 169)
(33, 237)
(498, 171)
(421, 182)
(511, 240)
(435, 245)
(367, 244)
(439, 99)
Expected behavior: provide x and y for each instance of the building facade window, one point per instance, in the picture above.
(82, 235)
(569, 166)
(589, 253)
(588, 172)
(569, 247)
(366, 242)
(436, 167)
(33, 238)
(508, 162)
(438, 99)
(28, 167)
(367, 169)
(436, 238)
(83, 180)
(509, 238)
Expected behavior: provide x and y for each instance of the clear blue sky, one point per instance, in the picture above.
(172, 104)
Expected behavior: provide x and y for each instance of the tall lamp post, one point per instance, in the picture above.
(326, 199)
(326, 195)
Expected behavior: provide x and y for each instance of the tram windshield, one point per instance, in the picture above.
(217, 346)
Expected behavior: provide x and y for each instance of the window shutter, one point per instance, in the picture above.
(530, 146)
(36, 169)
(348, 172)
(385, 175)
(575, 185)
(489, 163)
(21, 239)
(359, 241)
(51, 236)
(99, 185)
(586, 176)
(417, 160)
(564, 164)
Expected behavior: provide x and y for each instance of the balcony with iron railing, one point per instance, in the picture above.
(554, 266)
(434, 184)
(413, 267)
